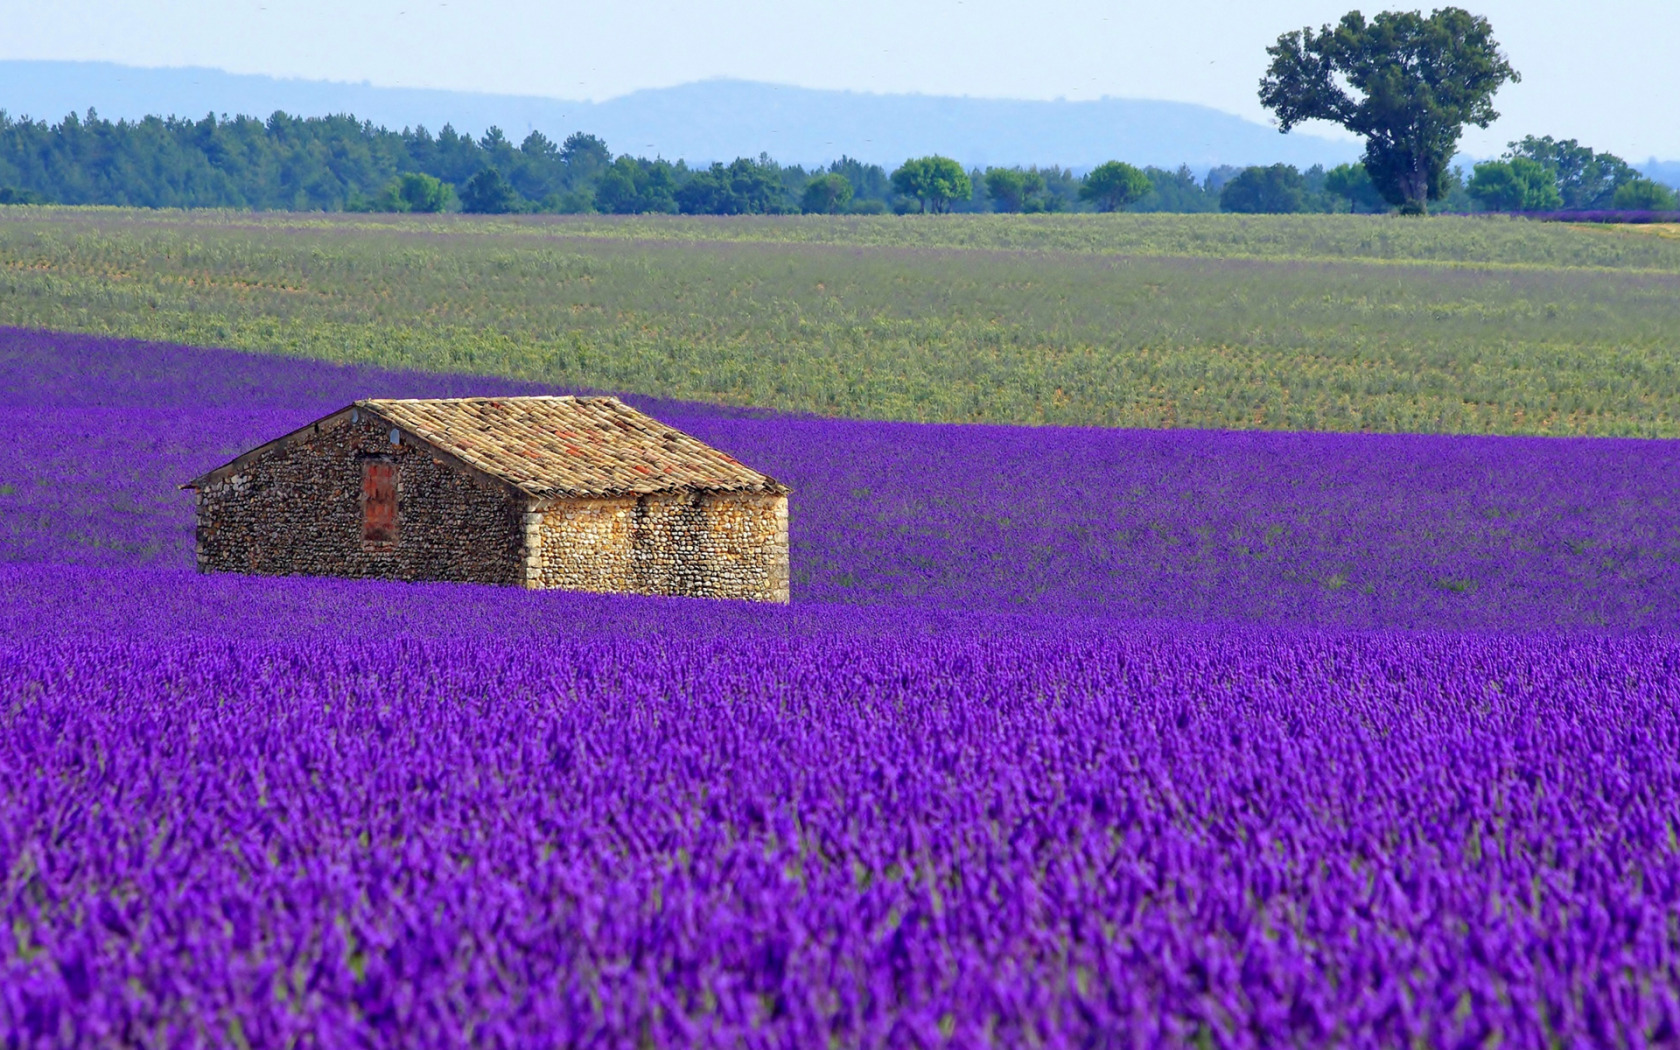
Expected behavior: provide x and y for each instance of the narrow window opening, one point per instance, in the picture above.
(379, 502)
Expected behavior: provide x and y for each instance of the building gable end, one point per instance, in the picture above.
(349, 413)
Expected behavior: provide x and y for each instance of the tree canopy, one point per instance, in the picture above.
(489, 193)
(826, 194)
(1013, 190)
(414, 192)
(1278, 189)
(1585, 180)
(1350, 182)
(743, 187)
(1641, 194)
(1518, 184)
(1113, 185)
(1411, 85)
(933, 182)
(290, 163)
(584, 152)
(628, 187)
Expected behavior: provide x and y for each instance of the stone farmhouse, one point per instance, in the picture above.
(576, 493)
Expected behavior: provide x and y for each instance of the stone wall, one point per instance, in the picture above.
(582, 545)
(298, 511)
(709, 545)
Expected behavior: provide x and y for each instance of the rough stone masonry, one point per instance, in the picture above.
(570, 493)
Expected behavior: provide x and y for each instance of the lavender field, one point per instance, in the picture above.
(1070, 738)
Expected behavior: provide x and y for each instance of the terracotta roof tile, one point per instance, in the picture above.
(570, 446)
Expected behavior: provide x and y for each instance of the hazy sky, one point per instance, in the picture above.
(1606, 72)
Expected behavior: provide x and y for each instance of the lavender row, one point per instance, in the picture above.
(1070, 738)
(1359, 531)
(1244, 838)
(1603, 215)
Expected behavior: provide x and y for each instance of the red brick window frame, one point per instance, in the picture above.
(379, 503)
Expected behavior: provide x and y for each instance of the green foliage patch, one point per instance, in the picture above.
(1293, 322)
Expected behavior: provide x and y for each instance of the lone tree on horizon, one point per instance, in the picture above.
(1112, 185)
(934, 182)
(1421, 81)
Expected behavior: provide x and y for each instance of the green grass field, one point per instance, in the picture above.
(1290, 322)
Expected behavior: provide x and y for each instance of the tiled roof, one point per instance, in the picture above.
(570, 446)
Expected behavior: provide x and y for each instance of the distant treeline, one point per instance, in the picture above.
(338, 163)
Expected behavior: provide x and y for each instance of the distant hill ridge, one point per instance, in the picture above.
(705, 121)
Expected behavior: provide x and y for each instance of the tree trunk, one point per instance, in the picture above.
(1416, 190)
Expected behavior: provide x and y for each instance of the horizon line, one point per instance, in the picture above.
(721, 78)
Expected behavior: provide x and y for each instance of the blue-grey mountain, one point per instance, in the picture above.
(705, 121)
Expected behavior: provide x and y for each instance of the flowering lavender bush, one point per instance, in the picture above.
(1070, 738)
(1605, 215)
(1372, 531)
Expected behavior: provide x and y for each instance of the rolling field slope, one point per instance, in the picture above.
(1070, 737)
(1339, 323)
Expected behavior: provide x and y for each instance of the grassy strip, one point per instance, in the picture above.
(791, 314)
(1494, 240)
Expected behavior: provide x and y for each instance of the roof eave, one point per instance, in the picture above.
(775, 488)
